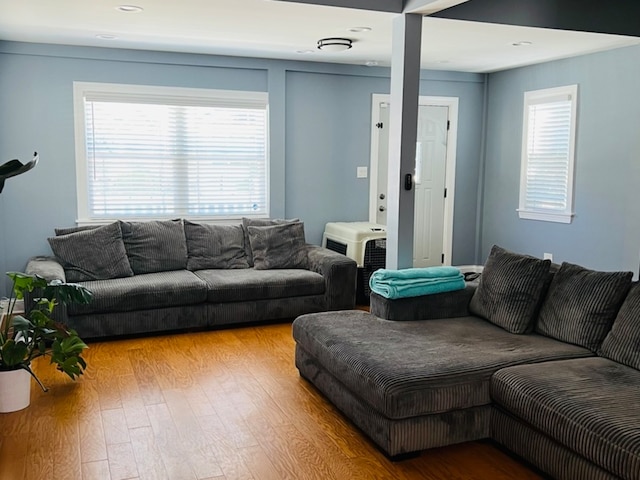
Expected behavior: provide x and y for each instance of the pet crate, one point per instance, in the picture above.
(364, 242)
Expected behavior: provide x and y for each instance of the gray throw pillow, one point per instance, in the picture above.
(511, 289)
(582, 304)
(622, 343)
(68, 230)
(93, 254)
(215, 246)
(156, 246)
(278, 246)
(259, 222)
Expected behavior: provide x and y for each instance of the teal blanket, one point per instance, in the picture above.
(413, 282)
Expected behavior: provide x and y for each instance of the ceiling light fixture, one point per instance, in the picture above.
(522, 44)
(129, 8)
(334, 44)
(359, 29)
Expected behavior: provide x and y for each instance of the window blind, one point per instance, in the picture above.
(548, 149)
(151, 156)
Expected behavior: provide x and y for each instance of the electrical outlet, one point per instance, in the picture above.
(547, 256)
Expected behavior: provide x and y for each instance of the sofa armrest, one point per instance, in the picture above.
(47, 267)
(50, 269)
(425, 307)
(339, 274)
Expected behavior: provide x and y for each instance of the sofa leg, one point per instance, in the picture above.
(403, 456)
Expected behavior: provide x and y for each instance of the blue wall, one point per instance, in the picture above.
(320, 132)
(605, 233)
(329, 133)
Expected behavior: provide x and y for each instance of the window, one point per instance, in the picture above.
(156, 152)
(548, 144)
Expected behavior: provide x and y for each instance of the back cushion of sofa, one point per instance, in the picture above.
(259, 222)
(279, 246)
(510, 290)
(68, 230)
(215, 246)
(92, 254)
(622, 343)
(155, 246)
(582, 304)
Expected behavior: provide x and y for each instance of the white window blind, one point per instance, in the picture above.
(546, 184)
(156, 152)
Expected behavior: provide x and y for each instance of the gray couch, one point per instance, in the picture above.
(545, 363)
(168, 275)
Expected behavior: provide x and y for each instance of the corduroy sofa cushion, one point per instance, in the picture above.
(582, 304)
(511, 289)
(406, 369)
(214, 246)
(278, 246)
(145, 291)
(589, 405)
(250, 284)
(92, 254)
(622, 343)
(259, 222)
(155, 246)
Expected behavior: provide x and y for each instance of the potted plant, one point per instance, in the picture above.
(35, 334)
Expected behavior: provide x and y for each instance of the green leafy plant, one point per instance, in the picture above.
(24, 338)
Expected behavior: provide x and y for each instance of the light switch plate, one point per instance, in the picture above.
(361, 172)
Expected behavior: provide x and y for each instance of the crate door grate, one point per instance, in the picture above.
(375, 257)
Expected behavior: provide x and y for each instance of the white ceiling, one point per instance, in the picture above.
(273, 29)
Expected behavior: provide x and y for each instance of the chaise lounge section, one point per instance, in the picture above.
(528, 358)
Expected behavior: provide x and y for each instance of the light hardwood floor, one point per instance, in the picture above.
(225, 405)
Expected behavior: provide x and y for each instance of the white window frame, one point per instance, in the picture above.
(537, 97)
(210, 97)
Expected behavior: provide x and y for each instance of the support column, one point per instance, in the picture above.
(403, 126)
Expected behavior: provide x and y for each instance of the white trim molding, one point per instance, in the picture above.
(548, 154)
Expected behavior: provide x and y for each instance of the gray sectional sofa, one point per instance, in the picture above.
(168, 275)
(544, 360)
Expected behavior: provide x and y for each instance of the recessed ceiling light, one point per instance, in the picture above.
(106, 36)
(129, 8)
(302, 52)
(359, 29)
(522, 44)
(371, 63)
(334, 44)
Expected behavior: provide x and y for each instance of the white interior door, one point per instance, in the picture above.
(429, 180)
(433, 161)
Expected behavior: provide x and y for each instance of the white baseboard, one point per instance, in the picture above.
(470, 268)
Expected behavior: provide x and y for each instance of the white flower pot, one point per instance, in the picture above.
(15, 390)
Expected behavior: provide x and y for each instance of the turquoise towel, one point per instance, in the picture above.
(414, 282)
(428, 272)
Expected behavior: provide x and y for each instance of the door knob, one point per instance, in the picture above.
(381, 208)
(382, 197)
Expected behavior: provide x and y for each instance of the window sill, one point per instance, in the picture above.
(546, 216)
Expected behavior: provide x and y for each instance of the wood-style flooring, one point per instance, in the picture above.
(225, 405)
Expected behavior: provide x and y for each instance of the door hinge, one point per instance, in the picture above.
(379, 125)
(448, 124)
(445, 193)
(443, 258)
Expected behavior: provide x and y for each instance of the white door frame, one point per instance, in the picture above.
(450, 169)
